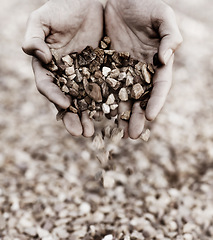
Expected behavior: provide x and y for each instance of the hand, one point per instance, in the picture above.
(144, 28)
(65, 26)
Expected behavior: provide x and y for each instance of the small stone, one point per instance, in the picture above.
(55, 55)
(105, 89)
(72, 84)
(125, 115)
(109, 52)
(61, 232)
(122, 76)
(187, 236)
(98, 142)
(108, 181)
(137, 91)
(84, 208)
(113, 83)
(106, 71)
(139, 66)
(31, 231)
(42, 232)
(98, 217)
(114, 106)
(110, 99)
(127, 237)
(107, 131)
(65, 89)
(85, 72)
(2, 222)
(129, 80)
(79, 77)
(93, 90)
(99, 55)
(92, 230)
(146, 74)
(124, 55)
(172, 225)
(116, 135)
(69, 71)
(103, 45)
(116, 59)
(145, 135)
(150, 68)
(62, 80)
(108, 237)
(103, 158)
(115, 73)
(105, 108)
(72, 77)
(107, 40)
(82, 104)
(67, 60)
(98, 74)
(73, 92)
(92, 113)
(99, 175)
(123, 95)
(52, 66)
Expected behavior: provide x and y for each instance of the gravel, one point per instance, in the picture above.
(51, 183)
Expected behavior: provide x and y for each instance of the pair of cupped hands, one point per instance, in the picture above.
(139, 27)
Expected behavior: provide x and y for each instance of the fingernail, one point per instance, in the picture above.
(41, 56)
(167, 55)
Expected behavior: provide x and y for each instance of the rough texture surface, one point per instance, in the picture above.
(99, 79)
(162, 188)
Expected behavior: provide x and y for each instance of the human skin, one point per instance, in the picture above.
(144, 28)
(65, 26)
(140, 27)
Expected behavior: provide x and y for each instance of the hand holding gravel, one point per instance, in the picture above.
(140, 33)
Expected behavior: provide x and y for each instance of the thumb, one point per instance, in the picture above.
(34, 42)
(170, 36)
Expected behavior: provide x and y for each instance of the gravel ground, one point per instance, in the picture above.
(50, 182)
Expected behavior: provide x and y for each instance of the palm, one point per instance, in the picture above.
(73, 25)
(65, 26)
(144, 28)
(131, 30)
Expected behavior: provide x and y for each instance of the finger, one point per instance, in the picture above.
(73, 124)
(162, 81)
(169, 34)
(124, 106)
(137, 121)
(46, 87)
(87, 124)
(34, 42)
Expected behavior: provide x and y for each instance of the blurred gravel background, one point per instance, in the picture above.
(163, 188)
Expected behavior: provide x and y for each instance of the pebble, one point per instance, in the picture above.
(106, 71)
(42, 232)
(188, 236)
(108, 181)
(84, 208)
(31, 231)
(61, 232)
(2, 222)
(108, 237)
(105, 108)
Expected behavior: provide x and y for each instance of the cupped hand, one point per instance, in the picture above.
(65, 26)
(144, 28)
